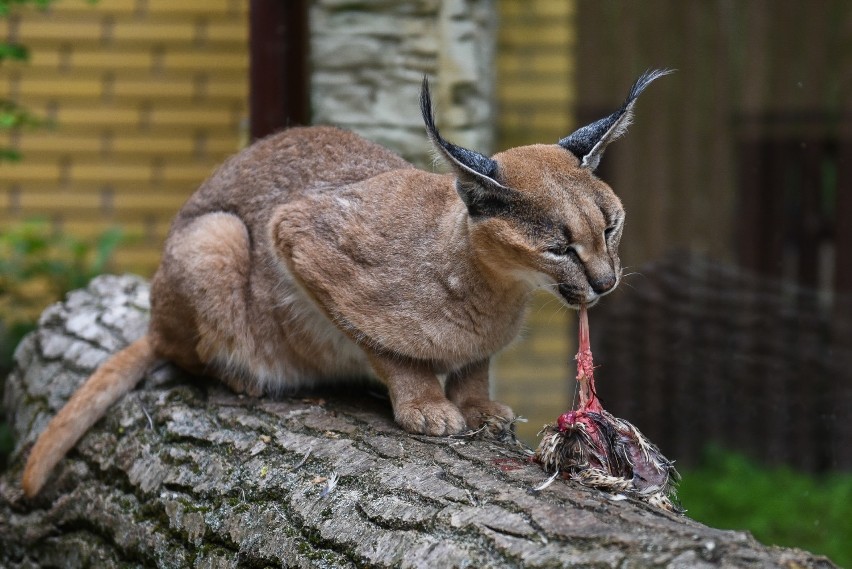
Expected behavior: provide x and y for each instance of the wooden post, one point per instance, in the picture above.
(279, 47)
(842, 309)
(842, 227)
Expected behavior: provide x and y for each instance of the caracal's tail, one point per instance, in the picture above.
(113, 378)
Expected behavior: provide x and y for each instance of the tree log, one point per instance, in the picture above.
(183, 473)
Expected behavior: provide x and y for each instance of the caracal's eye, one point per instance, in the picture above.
(561, 250)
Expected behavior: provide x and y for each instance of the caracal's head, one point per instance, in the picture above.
(538, 213)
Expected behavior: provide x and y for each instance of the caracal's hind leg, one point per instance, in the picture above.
(199, 306)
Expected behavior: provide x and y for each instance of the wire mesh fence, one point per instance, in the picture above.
(695, 351)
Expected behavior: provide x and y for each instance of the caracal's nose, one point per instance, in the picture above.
(603, 284)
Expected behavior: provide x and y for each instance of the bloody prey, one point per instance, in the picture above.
(599, 450)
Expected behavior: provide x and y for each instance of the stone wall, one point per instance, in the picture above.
(369, 58)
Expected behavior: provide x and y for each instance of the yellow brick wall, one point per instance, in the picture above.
(535, 98)
(146, 98)
(535, 65)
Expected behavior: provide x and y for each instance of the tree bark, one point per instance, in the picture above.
(183, 473)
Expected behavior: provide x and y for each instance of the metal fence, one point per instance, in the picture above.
(695, 351)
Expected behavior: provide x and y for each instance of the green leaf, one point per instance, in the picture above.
(13, 115)
(9, 155)
(7, 5)
(104, 248)
(13, 51)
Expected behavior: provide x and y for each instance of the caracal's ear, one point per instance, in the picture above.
(589, 142)
(477, 180)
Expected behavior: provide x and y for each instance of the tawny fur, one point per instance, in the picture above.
(316, 256)
(115, 377)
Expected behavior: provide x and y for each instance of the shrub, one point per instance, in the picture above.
(778, 505)
(37, 267)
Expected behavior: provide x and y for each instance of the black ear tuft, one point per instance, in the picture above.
(469, 160)
(589, 142)
(477, 180)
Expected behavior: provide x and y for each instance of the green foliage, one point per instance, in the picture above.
(13, 51)
(779, 506)
(12, 115)
(9, 155)
(37, 267)
(7, 5)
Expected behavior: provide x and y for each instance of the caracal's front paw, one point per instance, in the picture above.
(480, 411)
(434, 417)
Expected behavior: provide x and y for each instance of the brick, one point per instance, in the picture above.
(63, 202)
(171, 145)
(91, 212)
(45, 179)
(542, 64)
(147, 89)
(158, 7)
(186, 173)
(129, 60)
(50, 142)
(234, 89)
(191, 117)
(227, 7)
(40, 59)
(215, 61)
(185, 89)
(140, 259)
(27, 171)
(553, 36)
(538, 8)
(236, 32)
(544, 91)
(166, 203)
(110, 172)
(117, 186)
(129, 31)
(131, 229)
(102, 7)
(119, 118)
(176, 145)
(169, 32)
(34, 30)
(43, 146)
(546, 122)
(47, 88)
